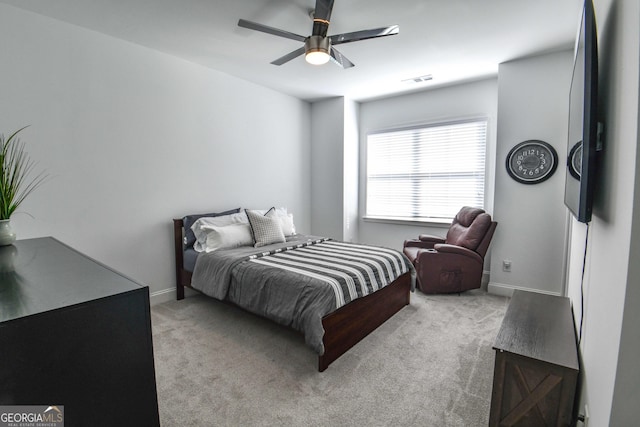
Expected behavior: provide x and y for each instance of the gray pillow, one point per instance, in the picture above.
(187, 222)
(265, 228)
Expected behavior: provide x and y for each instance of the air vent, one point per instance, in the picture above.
(418, 79)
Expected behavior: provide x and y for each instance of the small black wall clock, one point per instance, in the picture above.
(532, 162)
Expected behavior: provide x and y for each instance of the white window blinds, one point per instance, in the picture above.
(427, 172)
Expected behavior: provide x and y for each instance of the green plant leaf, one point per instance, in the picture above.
(16, 180)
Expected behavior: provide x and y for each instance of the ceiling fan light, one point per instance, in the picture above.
(317, 50)
(317, 57)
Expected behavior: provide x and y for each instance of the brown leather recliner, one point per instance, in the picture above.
(455, 263)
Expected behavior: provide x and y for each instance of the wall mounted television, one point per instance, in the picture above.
(583, 142)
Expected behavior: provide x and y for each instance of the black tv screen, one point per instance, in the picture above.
(583, 120)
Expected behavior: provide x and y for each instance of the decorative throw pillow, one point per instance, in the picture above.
(266, 228)
(285, 218)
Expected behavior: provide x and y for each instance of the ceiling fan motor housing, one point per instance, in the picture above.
(317, 44)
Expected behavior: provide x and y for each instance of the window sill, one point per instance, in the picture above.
(433, 222)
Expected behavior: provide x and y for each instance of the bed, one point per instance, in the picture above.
(254, 278)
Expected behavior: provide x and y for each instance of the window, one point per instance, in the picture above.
(426, 173)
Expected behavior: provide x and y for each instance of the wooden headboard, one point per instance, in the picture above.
(183, 277)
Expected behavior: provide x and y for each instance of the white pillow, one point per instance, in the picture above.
(200, 231)
(286, 222)
(226, 237)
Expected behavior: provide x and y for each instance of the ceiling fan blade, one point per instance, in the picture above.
(270, 30)
(288, 57)
(364, 34)
(340, 59)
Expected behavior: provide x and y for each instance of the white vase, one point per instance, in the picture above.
(8, 255)
(7, 236)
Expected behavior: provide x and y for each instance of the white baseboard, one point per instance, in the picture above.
(507, 290)
(164, 295)
(168, 294)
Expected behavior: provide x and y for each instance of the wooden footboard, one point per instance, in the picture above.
(348, 325)
(344, 327)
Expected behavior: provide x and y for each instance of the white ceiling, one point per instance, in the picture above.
(453, 40)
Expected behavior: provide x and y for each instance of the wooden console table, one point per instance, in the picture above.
(74, 333)
(536, 366)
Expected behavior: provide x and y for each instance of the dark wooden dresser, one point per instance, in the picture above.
(74, 333)
(536, 366)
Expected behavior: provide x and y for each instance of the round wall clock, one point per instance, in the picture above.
(531, 162)
(574, 161)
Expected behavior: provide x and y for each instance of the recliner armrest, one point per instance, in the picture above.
(458, 250)
(415, 243)
(431, 239)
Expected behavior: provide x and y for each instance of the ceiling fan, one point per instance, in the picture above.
(318, 47)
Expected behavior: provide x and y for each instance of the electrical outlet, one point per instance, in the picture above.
(506, 265)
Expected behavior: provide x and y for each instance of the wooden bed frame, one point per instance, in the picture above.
(344, 327)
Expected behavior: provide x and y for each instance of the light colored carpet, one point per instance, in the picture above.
(429, 365)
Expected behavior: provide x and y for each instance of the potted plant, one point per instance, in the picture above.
(16, 182)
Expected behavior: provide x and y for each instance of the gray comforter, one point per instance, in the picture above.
(299, 282)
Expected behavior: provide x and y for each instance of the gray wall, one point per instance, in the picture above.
(334, 168)
(351, 170)
(533, 103)
(610, 344)
(327, 171)
(133, 138)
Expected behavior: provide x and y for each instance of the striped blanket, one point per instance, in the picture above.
(352, 270)
(299, 282)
